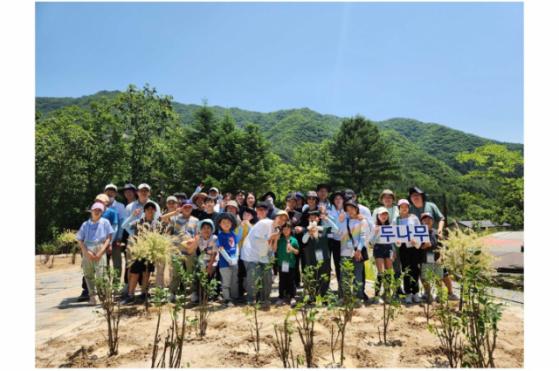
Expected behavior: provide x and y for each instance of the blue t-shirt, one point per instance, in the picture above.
(95, 232)
(229, 242)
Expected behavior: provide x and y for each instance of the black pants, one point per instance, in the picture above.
(323, 271)
(411, 264)
(335, 252)
(287, 288)
(241, 277)
(84, 287)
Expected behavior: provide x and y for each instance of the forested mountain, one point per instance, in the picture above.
(175, 146)
(285, 128)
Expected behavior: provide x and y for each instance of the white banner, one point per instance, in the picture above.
(403, 233)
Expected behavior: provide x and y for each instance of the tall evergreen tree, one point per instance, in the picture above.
(360, 158)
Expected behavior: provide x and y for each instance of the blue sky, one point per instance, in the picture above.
(459, 65)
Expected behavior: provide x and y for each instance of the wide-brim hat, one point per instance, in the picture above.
(229, 216)
(336, 193)
(387, 192)
(269, 193)
(312, 194)
(198, 195)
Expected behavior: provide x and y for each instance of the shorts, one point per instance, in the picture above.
(139, 266)
(382, 251)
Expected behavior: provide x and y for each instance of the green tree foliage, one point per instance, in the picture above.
(360, 158)
(501, 170)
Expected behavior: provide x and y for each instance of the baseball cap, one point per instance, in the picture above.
(172, 199)
(403, 201)
(187, 203)
(144, 186)
(111, 186)
(382, 210)
(150, 204)
(98, 206)
(103, 198)
(214, 189)
(426, 215)
(282, 212)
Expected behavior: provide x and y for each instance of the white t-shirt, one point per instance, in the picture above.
(255, 247)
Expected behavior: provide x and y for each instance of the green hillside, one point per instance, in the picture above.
(285, 128)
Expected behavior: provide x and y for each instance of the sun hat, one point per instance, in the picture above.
(198, 195)
(129, 186)
(103, 198)
(382, 210)
(282, 213)
(229, 216)
(386, 192)
(312, 194)
(403, 201)
(98, 206)
(336, 193)
(208, 222)
(232, 203)
(144, 186)
(270, 194)
(111, 186)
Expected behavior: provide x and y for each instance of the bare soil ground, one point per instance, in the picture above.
(69, 334)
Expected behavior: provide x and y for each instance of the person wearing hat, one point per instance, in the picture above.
(431, 256)
(111, 191)
(388, 200)
(382, 252)
(336, 208)
(315, 246)
(94, 238)
(228, 239)
(409, 255)
(419, 205)
(270, 198)
(353, 243)
(130, 193)
(147, 222)
(135, 209)
(291, 208)
(181, 197)
(286, 249)
(311, 205)
(198, 201)
(256, 253)
(300, 200)
(322, 191)
(183, 226)
(172, 204)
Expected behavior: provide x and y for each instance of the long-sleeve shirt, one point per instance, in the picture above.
(230, 243)
(131, 207)
(255, 248)
(354, 238)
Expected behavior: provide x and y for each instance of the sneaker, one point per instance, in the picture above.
(408, 299)
(453, 297)
(127, 299)
(377, 300)
(230, 304)
(143, 296)
(292, 303)
(280, 302)
(84, 296)
(92, 300)
(416, 298)
(124, 291)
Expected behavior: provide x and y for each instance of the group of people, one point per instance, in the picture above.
(245, 242)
